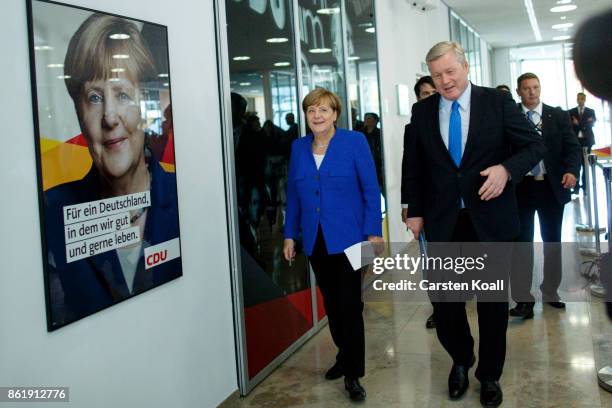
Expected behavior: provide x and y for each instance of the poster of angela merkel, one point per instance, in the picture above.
(106, 168)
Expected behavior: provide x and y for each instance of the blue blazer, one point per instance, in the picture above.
(343, 196)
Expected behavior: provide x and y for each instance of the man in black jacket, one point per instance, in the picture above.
(468, 146)
(583, 119)
(545, 190)
(423, 88)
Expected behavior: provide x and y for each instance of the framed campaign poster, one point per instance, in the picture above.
(105, 158)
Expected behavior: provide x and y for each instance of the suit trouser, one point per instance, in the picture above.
(537, 196)
(341, 289)
(453, 328)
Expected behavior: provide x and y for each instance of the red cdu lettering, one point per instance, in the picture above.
(157, 257)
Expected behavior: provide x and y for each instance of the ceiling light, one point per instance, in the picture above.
(354, 58)
(563, 17)
(533, 20)
(245, 84)
(277, 40)
(319, 50)
(166, 84)
(563, 9)
(121, 56)
(63, 77)
(562, 25)
(43, 47)
(114, 79)
(118, 70)
(118, 36)
(370, 30)
(561, 37)
(163, 75)
(242, 58)
(329, 11)
(282, 64)
(564, 1)
(55, 65)
(323, 71)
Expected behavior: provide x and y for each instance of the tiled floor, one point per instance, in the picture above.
(551, 360)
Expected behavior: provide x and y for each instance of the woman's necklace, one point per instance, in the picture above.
(140, 212)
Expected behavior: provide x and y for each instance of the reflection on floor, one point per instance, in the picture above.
(552, 360)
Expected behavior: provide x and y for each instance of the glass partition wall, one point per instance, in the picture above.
(271, 53)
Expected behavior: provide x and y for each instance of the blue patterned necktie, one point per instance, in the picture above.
(454, 134)
(537, 169)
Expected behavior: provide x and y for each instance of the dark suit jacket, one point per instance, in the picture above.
(584, 125)
(499, 134)
(404, 186)
(563, 152)
(94, 283)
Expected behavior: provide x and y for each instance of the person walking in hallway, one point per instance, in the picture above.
(583, 120)
(545, 190)
(333, 199)
(468, 146)
(423, 88)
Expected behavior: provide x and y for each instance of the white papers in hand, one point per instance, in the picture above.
(360, 254)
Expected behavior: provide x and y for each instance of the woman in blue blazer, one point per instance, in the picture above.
(333, 199)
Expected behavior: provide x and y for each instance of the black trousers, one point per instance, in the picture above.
(341, 289)
(453, 328)
(537, 196)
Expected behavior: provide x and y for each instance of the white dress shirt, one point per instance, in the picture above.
(444, 113)
(538, 110)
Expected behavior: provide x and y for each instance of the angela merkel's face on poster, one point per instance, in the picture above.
(109, 111)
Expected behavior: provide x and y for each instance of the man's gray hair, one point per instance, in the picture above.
(443, 48)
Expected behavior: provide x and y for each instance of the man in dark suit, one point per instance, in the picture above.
(468, 146)
(545, 190)
(423, 88)
(583, 119)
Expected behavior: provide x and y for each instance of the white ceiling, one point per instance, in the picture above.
(505, 23)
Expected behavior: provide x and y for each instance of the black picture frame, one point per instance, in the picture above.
(126, 129)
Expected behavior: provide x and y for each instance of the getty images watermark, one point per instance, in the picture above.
(438, 266)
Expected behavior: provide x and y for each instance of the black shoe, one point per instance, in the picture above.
(523, 309)
(355, 390)
(335, 372)
(458, 379)
(490, 394)
(557, 305)
(430, 323)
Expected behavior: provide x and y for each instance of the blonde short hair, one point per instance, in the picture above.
(318, 95)
(90, 53)
(444, 47)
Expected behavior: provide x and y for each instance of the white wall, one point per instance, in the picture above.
(172, 346)
(501, 67)
(404, 37)
(487, 80)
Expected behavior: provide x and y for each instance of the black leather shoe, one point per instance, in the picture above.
(335, 372)
(458, 379)
(430, 323)
(522, 309)
(557, 305)
(355, 390)
(490, 394)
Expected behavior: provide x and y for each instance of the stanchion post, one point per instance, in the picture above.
(607, 171)
(593, 165)
(588, 191)
(586, 168)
